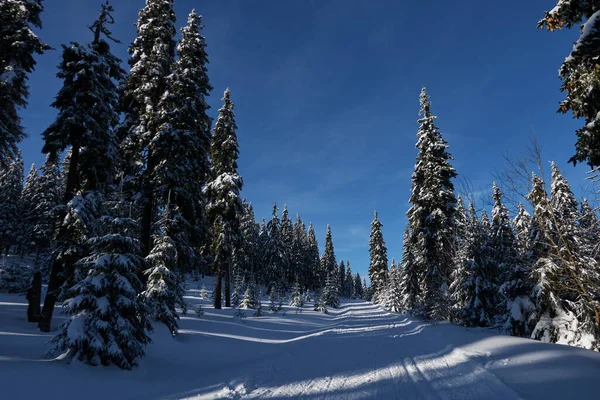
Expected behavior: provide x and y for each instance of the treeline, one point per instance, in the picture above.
(537, 275)
(136, 191)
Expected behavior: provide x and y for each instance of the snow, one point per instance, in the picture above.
(355, 352)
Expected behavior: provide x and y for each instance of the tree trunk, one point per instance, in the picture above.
(34, 296)
(55, 280)
(227, 286)
(148, 211)
(218, 290)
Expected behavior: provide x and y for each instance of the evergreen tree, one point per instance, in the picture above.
(378, 266)
(431, 215)
(275, 257)
(26, 209)
(349, 282)
(18, 44)
(251, 298)
(238, 287)
(11, 185)
(248, 252)
(358, 289)
(107, 324)
(521, 225)
(579, 73)
(223, 191)
(313, 260)
(393, 295)
(86, 117)
(184, 130)
(297, 298)
(567, 275)
(365, 290)
(152, 55)
(164, 291)
(299, 253)
(287, 238)
(327, 263)
(342, 278)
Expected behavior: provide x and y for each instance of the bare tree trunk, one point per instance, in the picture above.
(34, 296)
(55, 280)
(227, 286)
(218, 290)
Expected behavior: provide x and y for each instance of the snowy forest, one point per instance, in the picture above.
(140, 194)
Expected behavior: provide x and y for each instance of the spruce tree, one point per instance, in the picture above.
(152, 55)
(107, 323)
(248, 253)
(327, 263)
(86, 118)
(164, 290)
(579, 73)
(287, 238)
(431, 215)
(184, 130)
(521, 225)
(411, 277)
(393, 295)
(223, 193)
(342, 278)
(299, 253)
(378, 265)
(18, 44)
(11, 185)
(349, 282)
(313, 260)
(275, 257)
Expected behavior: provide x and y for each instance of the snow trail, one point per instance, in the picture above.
(358, 351)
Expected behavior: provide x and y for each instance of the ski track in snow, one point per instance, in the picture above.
(358, 351)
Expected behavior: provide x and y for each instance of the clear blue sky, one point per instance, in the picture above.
(326, 96)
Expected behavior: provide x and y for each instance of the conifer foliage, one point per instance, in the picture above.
(378, 266)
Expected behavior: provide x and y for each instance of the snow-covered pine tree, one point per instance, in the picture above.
(248, 253)
(313, 260)
(164, 291)
(365, 290)
(259, 310)
(275, 257)
(287, 238)
(508, 269)
(565, 279)
(349, 282)
(26, 208)
(431, 215)
(184, 130)
(579, 74)
(107, 323)
(378, 266)
(521, 226)
(11, 185)
(411, 277)
(298, 256)
(358, 289)
(223, 193)
(341, 278)
(152, 55)
(327, 263)
(297, 297)
(329, 295)
(18, 44)
(238, 287)
(251, 298)
(392, 298)
(87, 114)
(276, 296)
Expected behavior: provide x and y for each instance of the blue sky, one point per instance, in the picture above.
(326, 96)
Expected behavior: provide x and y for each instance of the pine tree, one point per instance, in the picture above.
(579, 74)
(287, 237)
(566, 275)
(248, 253)
(184, 130)
(152, 55)
(522, 225)
(431, 216)
(393, 295)
(87, 114)
(378, 266)
(342, 278)
(411, 277)
(164, 291)
(238, 287)
(349, 282)
(313, 260)
(107, 324)
(275, 257)
(327, 263)
(297, 297)
(251, 298)
(223, 192)
(18, 44)
(11, 185)
(299, 253)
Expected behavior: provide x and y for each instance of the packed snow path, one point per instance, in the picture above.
(358, 351)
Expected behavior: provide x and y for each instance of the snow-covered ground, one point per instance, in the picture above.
(356, 352)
